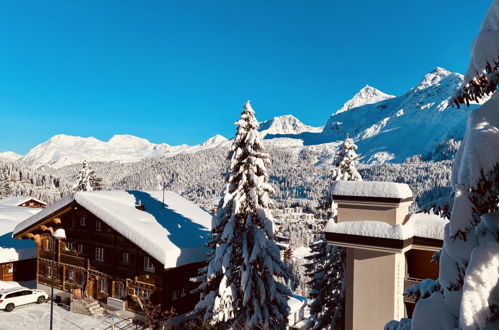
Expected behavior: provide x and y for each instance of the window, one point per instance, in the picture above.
(147, 295)
(71, 274)
(69, 246)
(98, 225)
(80, 248)
(121, 290)
(148, 265)
(126, 257)
(46, 244)
(103, 285)
(73, 223)
(83, 221)
(175, 295)
(99, 254)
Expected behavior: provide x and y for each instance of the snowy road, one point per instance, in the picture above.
(34, 317)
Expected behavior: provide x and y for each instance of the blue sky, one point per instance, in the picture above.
(180, 71)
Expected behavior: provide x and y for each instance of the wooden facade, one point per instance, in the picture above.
(99, 262)
(33, 203)
(19, 271)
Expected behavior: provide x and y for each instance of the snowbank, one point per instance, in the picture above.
(371, 189)
(419, 225)
(174, 233)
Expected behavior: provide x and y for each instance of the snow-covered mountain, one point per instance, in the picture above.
(385, 127)
(399, 127)
(287, 124)
(367, 95)
(10, 155)
(62, 150)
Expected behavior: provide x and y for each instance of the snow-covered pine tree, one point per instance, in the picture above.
(241, 282)
(345, 161)
(87, 180)
(327, 267)
(466, 294)
(5, 189)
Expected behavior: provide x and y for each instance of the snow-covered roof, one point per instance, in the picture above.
(12, 249)
(174, 233)
(295, 303)
(18, 200)
(418, 225)
(374, 189)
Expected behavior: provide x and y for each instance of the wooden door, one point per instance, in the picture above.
(91, 288)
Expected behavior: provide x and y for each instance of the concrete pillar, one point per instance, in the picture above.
(374, 288)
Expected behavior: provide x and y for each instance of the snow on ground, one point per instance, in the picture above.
(174, 233)
(371, 189)
(37, 317)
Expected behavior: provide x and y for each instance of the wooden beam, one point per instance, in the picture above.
(57, 221)
(45, 228)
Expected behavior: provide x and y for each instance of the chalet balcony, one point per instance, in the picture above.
(73, 260)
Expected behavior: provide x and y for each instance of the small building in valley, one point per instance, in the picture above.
(23, 202)
(17, 258)
(388, 249)
(125, 248)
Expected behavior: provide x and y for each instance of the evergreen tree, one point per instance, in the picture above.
(5, 189)
(87, 180)
(466, 294)
(241, 282)
(327, 267)
(345, 161)
(326, 272)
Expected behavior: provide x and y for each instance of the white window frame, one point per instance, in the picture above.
(126, 257)
(103, 285)
(148, 265)
(83, 221)
(98, 225)
(80, 248)
(69, 246)
(121, 290)
(71, 274)
(99, 254)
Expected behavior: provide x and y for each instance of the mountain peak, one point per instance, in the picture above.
(366, 95)
(287, 124)
(433, 77)
(214, 140)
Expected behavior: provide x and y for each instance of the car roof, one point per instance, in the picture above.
(10, 290)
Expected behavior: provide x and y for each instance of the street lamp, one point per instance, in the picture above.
(58, 234)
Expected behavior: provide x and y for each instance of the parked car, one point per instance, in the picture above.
(10, 298)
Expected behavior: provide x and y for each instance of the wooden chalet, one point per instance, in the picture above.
(124, 245)
(23, 202)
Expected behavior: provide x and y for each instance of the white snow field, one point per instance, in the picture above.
(37, 317)
(174, 233)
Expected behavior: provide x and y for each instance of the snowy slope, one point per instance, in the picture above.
(399, 127)
(62, 150)
(287, 124)
(367, 95)
(10, 155)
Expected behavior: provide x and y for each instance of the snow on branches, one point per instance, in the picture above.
(87, 180)
(241, 282)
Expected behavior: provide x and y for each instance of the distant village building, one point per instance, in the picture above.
(387, 249)
(17, 258)
(23, 201)
(123, 248)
